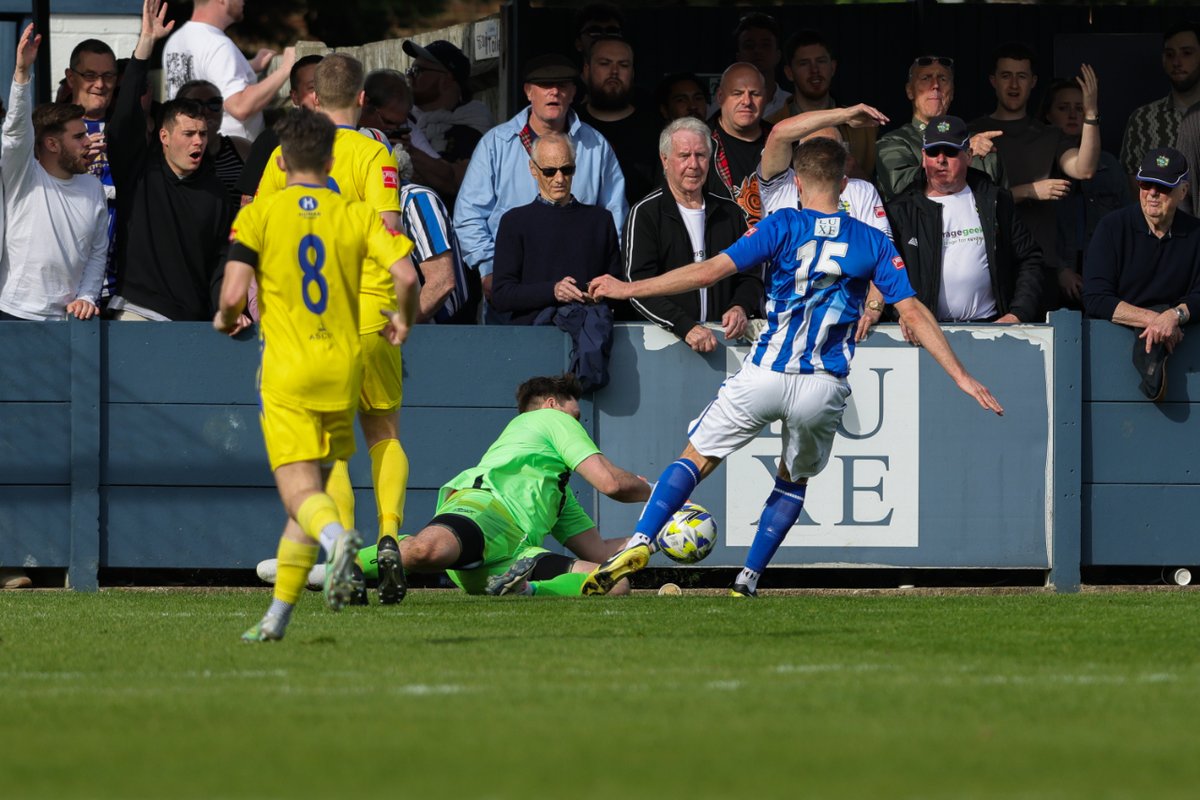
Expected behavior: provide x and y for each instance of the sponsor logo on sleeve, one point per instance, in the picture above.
(750, 231)
(391, 178)
(898, 262)
(879, 212)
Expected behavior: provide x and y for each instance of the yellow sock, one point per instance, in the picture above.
(389, 472)
(295, 560)
(339, 488)
(315, 513)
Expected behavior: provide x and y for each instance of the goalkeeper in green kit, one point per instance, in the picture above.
(491, 519)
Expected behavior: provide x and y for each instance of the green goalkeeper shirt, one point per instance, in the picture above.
(528, 469)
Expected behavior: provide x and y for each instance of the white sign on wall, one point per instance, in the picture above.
(486, 34)
(867, 494)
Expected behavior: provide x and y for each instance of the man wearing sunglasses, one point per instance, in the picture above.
(498, 177)
(969, 257)
(930, 87)
(1141, 266)
(548, 250)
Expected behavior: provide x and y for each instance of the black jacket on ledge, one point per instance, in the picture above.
(1014, 258)
(656, 241)
(172, 232)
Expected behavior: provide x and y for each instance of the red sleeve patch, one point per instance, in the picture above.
(750, 231)
(232, 234)
(879, 212)
(391, 178)
(898, 262)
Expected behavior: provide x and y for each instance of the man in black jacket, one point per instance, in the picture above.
(172, 211)
(969, 257)
(679, 225)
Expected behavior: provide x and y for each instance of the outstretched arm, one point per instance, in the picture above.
(693, 276)
(612, 481)
(777, 155)
(921, 322)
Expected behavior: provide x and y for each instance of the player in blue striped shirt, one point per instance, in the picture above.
(821, 262)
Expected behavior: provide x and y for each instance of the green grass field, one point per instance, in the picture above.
(848, 695)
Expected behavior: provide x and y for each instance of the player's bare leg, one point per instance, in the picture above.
(312, 520)
(674, 487)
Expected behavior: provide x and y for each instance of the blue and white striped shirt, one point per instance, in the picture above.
(424, 219)
(820, 269)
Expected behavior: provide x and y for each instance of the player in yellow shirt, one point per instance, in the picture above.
(363, 169)
(306, 246)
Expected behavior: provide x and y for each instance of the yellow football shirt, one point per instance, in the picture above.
(363, 169)
(310, 244)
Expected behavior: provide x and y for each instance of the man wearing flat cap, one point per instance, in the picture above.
(499, 178)
(1142, 267)
(969, 257)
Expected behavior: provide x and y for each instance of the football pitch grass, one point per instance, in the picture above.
(131, 694)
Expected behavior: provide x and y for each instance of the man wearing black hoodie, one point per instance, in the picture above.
(173, 213)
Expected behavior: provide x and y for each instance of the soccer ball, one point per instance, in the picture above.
(689, 535)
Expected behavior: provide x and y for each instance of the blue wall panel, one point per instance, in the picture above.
(1141, 442)
(37, 363)
(1141, 525)
(35, 525)
(35, 443)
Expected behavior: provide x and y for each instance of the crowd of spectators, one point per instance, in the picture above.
(114, 208)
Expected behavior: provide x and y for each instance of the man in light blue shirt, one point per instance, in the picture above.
(499, 179)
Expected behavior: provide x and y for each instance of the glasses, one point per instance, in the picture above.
(1151, 186)
(601, 30)
(548, 172)
(92, 77)
(928, 61)
(943, 150)
(416, 69)
(213, 103)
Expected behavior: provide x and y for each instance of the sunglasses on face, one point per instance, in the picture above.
(415, 70)
(942, 150)
(213, 103)
(927, 61)
(1151, 186)
(548, 172)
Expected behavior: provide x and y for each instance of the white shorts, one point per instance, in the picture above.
(809, 406)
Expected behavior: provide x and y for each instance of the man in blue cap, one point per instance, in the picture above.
(1143, 266)
(969, 257)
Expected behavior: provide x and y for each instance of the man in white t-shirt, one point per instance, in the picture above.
(56, 240)
(683, 223)
(969, 257)
(200, 50)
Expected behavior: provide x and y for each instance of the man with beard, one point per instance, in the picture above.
(608, 76)
(173, 214)
(810, 66)
(739, 135)
(57, 231)
(201, 51)
(682, 94)
(1156, 124)
(930, 87)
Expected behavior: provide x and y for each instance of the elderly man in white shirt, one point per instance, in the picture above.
(57, 218)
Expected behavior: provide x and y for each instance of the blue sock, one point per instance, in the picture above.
(779, 514)
(674, 487)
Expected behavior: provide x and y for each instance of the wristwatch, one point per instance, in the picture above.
(1183, 317)
(875, 305)
(1092, 120)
